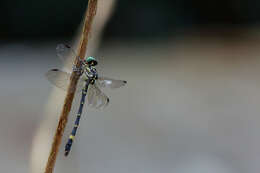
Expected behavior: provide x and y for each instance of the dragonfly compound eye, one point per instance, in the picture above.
(91, 61)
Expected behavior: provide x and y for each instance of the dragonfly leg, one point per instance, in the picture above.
(76, 124)
(77, 69)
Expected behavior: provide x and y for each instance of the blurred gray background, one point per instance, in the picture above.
(192, 99)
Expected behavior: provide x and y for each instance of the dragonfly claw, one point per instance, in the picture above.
(78, 70)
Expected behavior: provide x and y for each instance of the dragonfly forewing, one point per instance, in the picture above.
(110, 83)
(65, 54)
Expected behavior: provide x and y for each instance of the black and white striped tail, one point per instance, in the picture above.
(76, 124)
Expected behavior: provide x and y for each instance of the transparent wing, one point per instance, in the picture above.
(65, 54)
(110, 83)
(96, 98)
(63, 51)
(61, 79)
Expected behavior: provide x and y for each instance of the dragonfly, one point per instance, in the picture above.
(89, 84)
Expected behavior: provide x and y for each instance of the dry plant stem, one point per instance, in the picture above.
(91, 11)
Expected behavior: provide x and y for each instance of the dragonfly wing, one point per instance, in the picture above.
(64, 51)
(65, 54)
(110, 83)
(58, 78)
(61, 79)
(96, 98)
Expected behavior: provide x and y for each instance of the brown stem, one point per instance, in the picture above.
(91, 12)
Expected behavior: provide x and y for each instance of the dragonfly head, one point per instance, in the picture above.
(91, 61)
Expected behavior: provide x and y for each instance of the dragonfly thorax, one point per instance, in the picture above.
(90, 72)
